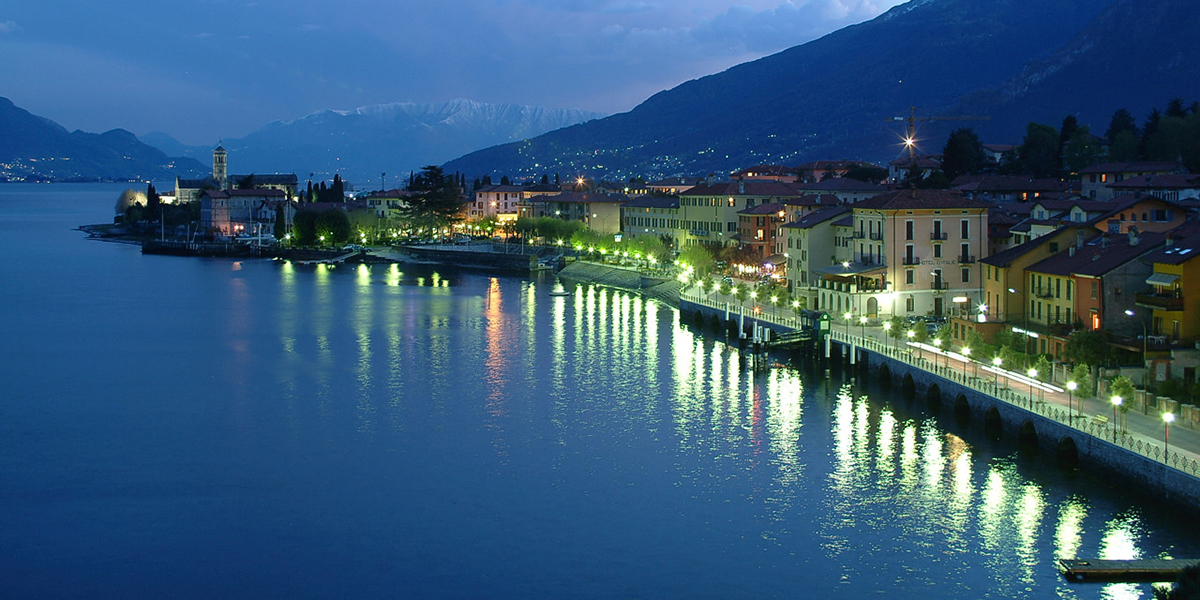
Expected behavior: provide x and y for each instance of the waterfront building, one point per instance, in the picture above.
(908, 253)
(235, 213)
(922, 164)
(191, 190)
(1088, 286)
(599, 212)
(809, 244)
(1097, 178)
(651, 216)
(709, 212)
(496, 202)
(1173, 304)
(758, 227)
(1142, 212)
(808, 203)
(1005, 271)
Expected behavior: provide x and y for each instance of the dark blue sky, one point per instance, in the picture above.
(206, 69)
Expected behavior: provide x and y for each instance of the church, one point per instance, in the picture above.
(239, 205)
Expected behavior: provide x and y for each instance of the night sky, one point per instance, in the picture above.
(201, 70)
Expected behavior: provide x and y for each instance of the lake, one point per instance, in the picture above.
(182, 427)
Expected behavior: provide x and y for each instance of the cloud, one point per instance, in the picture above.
(8, 27)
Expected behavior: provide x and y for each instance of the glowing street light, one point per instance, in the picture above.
(1032, 375)
(887, 330)
(1071, 387)
(862, 322)
(1116, 401)
(996, 362)
(847, 317)
(937, 342)
(1168, 418)
(974, 367)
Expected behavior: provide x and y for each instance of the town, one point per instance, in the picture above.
(1067, 250)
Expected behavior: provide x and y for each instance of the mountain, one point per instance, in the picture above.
(1010, 61)
(393, 138)
(34, 148)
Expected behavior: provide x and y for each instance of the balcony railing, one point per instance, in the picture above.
(939, 235)
(966, 260)
(1161, 302)
(858, 235)
(912, 260)
(877, 236)
(940, 285)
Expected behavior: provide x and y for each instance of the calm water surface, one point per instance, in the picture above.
(177, 427)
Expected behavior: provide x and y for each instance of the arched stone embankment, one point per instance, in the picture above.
(962, 409)
(933, 397)
(1027, 435)
(1067, 453)
(993, 423)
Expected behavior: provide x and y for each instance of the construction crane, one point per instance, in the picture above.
(910, 140)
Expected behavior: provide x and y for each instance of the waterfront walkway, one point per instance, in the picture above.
(1138, 433)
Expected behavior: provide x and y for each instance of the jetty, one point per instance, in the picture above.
(1131, 571)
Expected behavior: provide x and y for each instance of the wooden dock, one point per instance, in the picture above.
(1147, 570)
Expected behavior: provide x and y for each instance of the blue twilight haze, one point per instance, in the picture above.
(204, 70)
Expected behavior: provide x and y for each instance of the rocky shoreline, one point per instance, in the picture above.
(665, 290)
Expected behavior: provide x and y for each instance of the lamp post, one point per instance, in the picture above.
(1116, 401)
(862, 324)
(975, 368)
(996, 362)
(887, 331)
(847, 316)
(1145, 403)
(1168, 418)
(1026, 312)
(1071, 387)
(937, 343)
(911, 336)
(1032, 374)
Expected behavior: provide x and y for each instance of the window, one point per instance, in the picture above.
(910, 304)
(1068, 298)
(937, 250)
(966, 251)
(910, 276)
(1058, 288)
(966, 275)
(908, 229)
(966, 229)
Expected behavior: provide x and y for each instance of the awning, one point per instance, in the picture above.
(852, 269)
(1162, 279)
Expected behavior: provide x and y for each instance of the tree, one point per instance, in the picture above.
(920, 331)
(1122, 121)
(896, 331)
(869, 173)
(699, 258)
(437, 205)
(246, 183)
(1069, 125)
(304, 227)
(1082, 376)
(1122, 386)
(334, 226)
(1039, 150)
(1080, 150)
(280, 222)
(1045, 370)
(963, 154)
(937, 180)
(504, 180)
(153, 202)
(1090, 347)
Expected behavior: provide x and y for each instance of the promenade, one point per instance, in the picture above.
(1142, 434)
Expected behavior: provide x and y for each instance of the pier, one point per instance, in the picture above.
(1131, 571)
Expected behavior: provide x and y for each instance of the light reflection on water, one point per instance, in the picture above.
(431, 433)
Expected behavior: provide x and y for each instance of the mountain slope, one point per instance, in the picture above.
(394, 138)
(33, 148)
(831, 98)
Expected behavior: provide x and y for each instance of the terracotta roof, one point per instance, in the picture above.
(582, 198)
(765, 170)
(1007, 183)
(766, 208)
(1132, 167)
(653, 202)
(816, 218)
(813, 200)
(1005, 258)
(845, 184)
(1173, 181)
(1099, 255)
(751, 187)
(266, 193)
(920, 199)
(503, 188)
(927, 161)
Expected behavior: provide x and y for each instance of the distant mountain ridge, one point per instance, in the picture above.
(394, 138)
(1011, 61)
(34, 148)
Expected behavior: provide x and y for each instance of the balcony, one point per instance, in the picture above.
(939, 236)
(912, 260)
(857, 235)
(699, 232)
(940, 285)
(966, 260)
(877, 236)
(1160, 301)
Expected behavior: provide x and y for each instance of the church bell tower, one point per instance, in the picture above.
(220, 171)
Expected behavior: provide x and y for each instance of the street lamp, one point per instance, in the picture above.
(996, 362)
(937, 343)
(1168, 418)
(1032, 374)
(974, 367)
(911, 336)
(1116, 401)
(1146, 403)
(1026, 312)
(862, 323)
(847, 317)
(1071, 387)
(887, 330)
